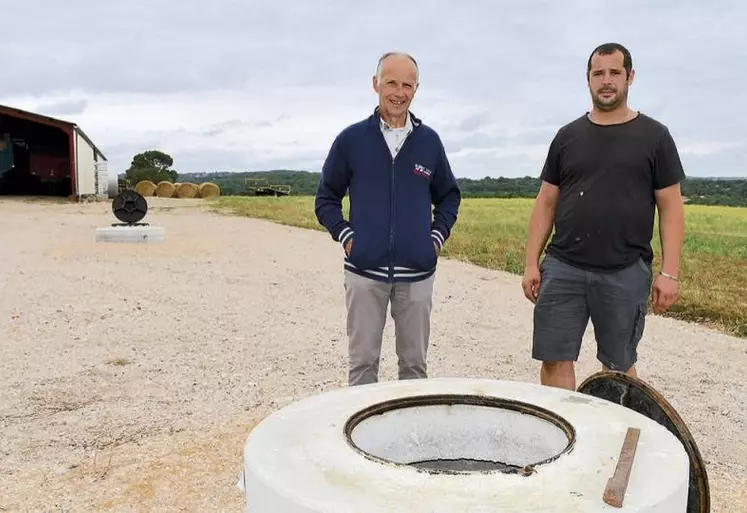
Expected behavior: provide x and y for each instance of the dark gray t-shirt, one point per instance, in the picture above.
(607, 175)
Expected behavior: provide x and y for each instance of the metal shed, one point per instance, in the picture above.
(45, 156)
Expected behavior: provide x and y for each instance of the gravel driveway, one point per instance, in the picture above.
(130, 375)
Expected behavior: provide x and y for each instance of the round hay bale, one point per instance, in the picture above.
(208, 190)
(165, 189)
(186, 190)
(145, 188)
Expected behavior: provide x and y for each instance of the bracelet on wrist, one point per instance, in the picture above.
(666, 275)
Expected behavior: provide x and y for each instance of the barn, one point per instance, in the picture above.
(44, 156)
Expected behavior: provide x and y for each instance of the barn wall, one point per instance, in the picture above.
(86, 166)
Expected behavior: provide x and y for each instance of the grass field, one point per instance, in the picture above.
(492, 233)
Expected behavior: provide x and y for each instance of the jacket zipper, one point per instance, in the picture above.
(391, 199)
(391, 225)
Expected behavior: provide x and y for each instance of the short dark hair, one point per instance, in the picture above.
(610, 48)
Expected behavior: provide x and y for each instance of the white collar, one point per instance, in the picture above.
(406, 128)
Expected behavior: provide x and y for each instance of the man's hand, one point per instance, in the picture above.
(664, 293)
(531, 283)
(438, 250)
(348, 246)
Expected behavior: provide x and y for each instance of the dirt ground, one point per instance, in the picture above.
(130, 375)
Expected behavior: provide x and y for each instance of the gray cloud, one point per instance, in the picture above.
(65, 108)
(251, 84)
(221, 128)
(475, 121)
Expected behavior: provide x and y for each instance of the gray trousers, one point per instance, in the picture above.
(367, 302)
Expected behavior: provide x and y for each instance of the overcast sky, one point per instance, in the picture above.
(253, 85)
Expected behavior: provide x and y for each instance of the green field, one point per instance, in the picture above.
(492, 233)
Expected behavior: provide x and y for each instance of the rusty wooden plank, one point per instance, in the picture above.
(614, 493)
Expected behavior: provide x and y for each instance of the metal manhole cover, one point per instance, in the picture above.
(642, 398)
(129, 206)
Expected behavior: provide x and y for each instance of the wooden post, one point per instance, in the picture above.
(618, 483)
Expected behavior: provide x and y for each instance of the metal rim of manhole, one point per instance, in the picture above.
(462, 399)
(637, 395)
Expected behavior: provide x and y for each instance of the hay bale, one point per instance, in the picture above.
(165, 189)
(208, 190)
(145, 188)
(186, 190)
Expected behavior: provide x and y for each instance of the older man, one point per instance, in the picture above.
(394, 168)
(605, 174)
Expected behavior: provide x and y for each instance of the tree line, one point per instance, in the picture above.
(704, 191)
(156, 166)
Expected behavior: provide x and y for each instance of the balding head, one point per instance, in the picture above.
(397, 58)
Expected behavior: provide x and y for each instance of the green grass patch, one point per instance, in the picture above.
(492, 233)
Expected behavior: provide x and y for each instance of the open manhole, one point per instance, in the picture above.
(635, 394)
(460, 434)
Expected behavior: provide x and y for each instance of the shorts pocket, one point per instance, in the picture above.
(639, 324)
(645, 267)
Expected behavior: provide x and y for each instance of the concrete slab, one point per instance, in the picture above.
(140, 234)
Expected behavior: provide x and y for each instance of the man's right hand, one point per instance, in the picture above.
(348, 246)
(531, 283)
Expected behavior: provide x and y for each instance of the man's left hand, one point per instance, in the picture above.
(664, 294)
(435, 246)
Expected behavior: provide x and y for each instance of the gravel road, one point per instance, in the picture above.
(130, 375)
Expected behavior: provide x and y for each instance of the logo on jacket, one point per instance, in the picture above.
(422, 171)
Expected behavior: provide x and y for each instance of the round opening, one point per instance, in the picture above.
(460, 433)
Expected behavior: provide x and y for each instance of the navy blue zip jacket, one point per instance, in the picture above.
(391, 223)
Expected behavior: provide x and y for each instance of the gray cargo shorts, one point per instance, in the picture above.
(615, 302)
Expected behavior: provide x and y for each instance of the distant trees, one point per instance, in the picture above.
(706, 191)
(713, 191)
(153, 165)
